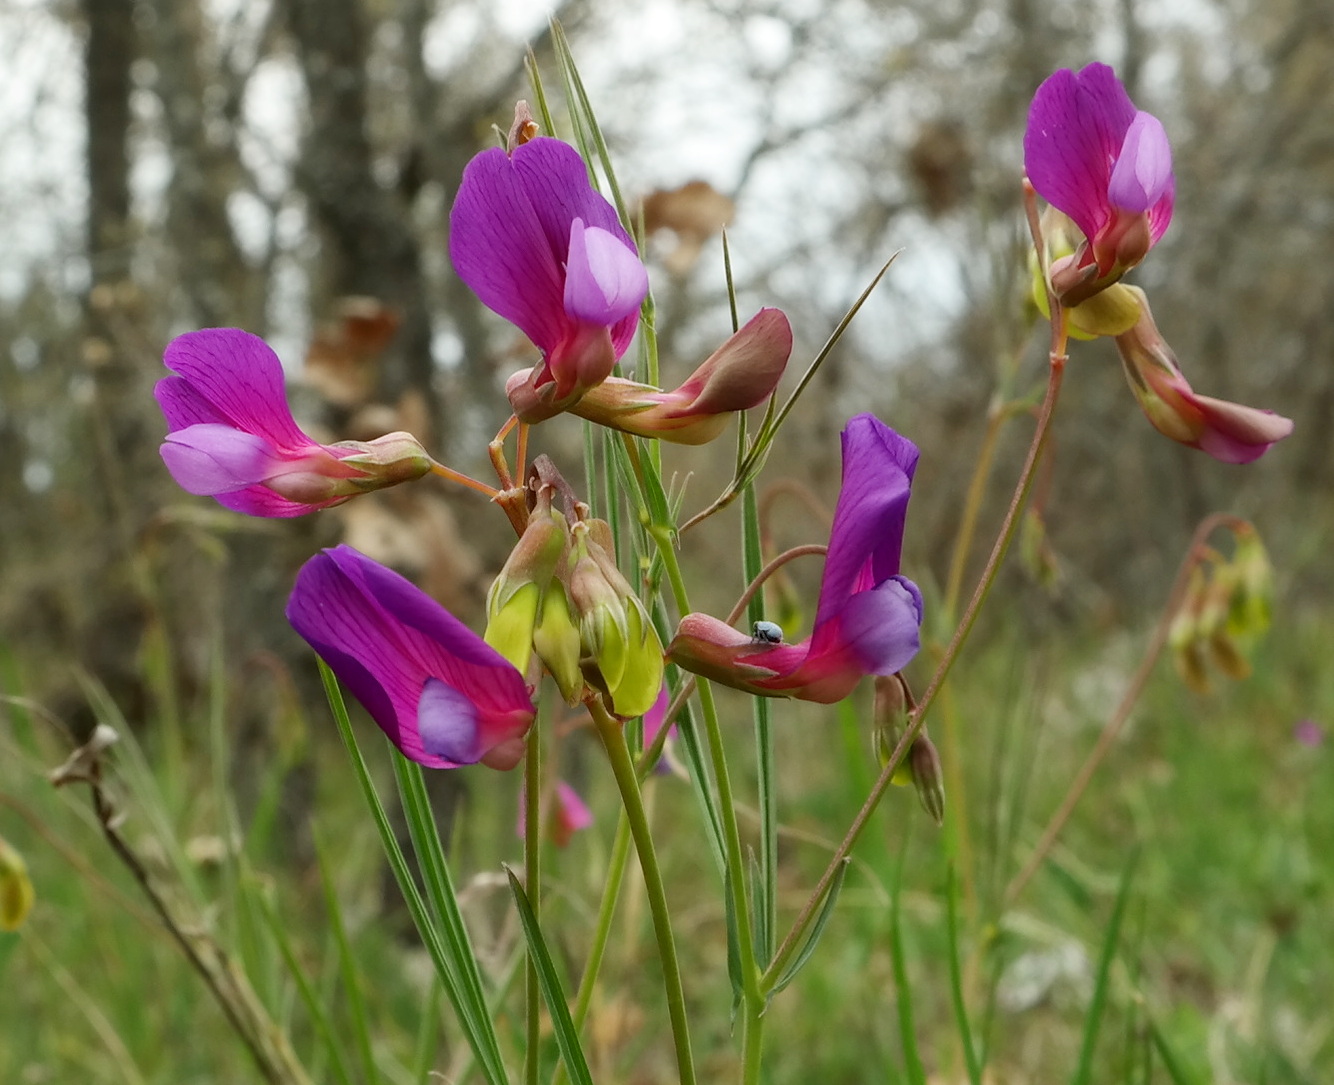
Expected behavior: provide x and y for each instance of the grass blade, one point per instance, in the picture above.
(1084, 1070)
(956, 979)
(477, 1027)
(817, 929)
(567, 1039)
(903, 999)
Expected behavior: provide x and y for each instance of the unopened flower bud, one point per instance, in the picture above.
(16, 893)
(891, 721)
(622, 654)
(1252, 601)
(517, 599)
(927, 776)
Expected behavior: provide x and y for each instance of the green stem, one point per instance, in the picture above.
(532, 876)
(1036, 448)
(623, 768)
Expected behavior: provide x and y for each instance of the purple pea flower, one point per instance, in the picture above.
(540, 247)
(231, 435)
(442, 694)
(1108, 166)
(868, 618)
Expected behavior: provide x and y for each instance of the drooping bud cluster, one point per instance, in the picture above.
(1225, 610)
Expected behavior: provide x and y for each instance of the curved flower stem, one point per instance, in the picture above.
(623, 768)
(1111, 730)
(1035, 450)
(462, 479)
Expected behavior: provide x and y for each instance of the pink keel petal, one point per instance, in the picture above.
(211, 458)
(604, 279)
(1143, 171)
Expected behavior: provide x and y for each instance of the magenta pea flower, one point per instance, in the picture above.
(869, 617)
(740, 374)
(539, 246)
(231, 435)
(562, 817)
(1229, 432)
(442, 694)
(1092, 155)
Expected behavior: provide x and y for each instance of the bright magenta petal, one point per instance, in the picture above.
(442, 694)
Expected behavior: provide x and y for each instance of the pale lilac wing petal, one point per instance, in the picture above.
(604, 280)
(1143, 170)
(447, 723)
(499, 248)
(213, 458)
(878, 467)
(883, 626)
(1160, 214)
(1076, 126)
(240, 378)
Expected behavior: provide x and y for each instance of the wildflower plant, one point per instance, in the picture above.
(594, 596)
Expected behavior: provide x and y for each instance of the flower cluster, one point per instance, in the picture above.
(537, 244)
(1105, 168)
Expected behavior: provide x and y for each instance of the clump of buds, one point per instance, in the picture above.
(1225, 610)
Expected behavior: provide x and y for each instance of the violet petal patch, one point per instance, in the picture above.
(442, 694)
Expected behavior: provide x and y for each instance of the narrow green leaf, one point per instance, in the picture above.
(347, 967)
(439, 886)
(567, 1038)
(1171, 1061)
(956, 978)
(733, 942)
(817, 929)
(478, 1029)
(428, 1033)
(907, 1029)
(1084, 1070)
(330, 1043)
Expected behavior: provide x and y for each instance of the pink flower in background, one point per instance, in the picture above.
(442, 694)
(231, 435)
(562, 818)
(1309, 733)
(1092, 155)
(539, 246)
(869, 617)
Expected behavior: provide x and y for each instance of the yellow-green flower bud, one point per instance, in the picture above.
(891, 721)
(517, 599)
(622, 655)
(16, 893)
(927, 777)
(556, 639)
(510, 628)
(1252, 602)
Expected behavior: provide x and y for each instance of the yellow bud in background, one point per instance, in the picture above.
(16, 892)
